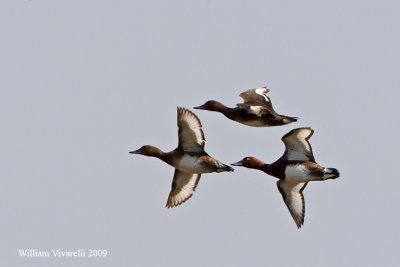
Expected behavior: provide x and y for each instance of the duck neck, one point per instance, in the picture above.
(168, 157)
(158, 153)
(219, 107)
(264, 168)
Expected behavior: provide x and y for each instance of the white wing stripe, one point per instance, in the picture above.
(262, 92)
(294, 199)
(191, 136)
(183, 186)
(297, 144)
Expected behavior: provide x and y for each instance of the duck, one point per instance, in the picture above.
(294, 169)
(189, 159)
(256, 109)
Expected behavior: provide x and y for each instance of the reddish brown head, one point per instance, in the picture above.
(251, 163)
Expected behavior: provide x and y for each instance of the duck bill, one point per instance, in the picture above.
(239, 163)
(200, 107)
(139, 151)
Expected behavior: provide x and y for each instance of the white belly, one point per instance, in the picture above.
(189, 164)
(297, 173)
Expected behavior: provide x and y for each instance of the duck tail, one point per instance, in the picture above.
(330, 173)
(225, 168)
(287, 119)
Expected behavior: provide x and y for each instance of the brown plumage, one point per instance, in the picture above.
(189, 159)
(256, 110)
(294, 170)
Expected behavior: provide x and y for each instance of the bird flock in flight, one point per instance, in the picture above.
(294, 169)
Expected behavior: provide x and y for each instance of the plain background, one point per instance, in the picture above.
(85, 82)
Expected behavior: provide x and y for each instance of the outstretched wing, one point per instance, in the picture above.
(292, 194)
(297, 145)
(183, 186)
(191, 136)
(257, 102)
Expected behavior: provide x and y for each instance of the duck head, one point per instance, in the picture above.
(250, 162)
(149, 151)
(212, 105)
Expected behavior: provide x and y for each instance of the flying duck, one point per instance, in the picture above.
(294, 170)
(256, 110)
(189, 158)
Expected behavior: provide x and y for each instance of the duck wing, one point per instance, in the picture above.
(183, 186)
(257, 102)
(190, 133)
(292, 194)
(297, 145)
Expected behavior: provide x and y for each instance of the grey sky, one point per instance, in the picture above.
(84, 82)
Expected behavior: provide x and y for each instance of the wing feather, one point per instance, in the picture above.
(182, 188)
(297, 145)
(292, 194)
(191, 135)
(257, 102)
